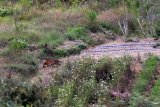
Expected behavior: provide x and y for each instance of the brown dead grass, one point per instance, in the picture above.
(111, 15)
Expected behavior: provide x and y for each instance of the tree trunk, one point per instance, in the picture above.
(141, 27)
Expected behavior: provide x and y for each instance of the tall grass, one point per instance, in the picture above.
(52, 38)
(142, 81)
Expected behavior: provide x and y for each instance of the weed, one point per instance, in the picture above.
(53, 39)
(6, 11)
(17, 44)
(92, 16)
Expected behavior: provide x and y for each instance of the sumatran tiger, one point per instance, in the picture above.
(49, 62)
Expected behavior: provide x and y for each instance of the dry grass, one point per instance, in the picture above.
(60, 20)
(111, 15)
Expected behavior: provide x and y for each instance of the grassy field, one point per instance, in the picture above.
(67, 28)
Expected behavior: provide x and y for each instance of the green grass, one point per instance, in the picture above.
(156, 89)
(23, 69)
(28, 36)
(155, 92)
(143, 79)
(76, 33)
(52, 38)
(67, 52)
(7, 20)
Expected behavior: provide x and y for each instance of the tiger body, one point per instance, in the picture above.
(50, 62)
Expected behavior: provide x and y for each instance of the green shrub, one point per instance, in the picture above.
(67, 52)
(60, 53)
(93, 27)
(75, 50)
(17, 44)
(113, 3)
(26, 2)
(76, 33)
(82, 46)
(80, 33)
(21, 93)
(109, 26)
(6, 11)
(89, 41)
(92, 16)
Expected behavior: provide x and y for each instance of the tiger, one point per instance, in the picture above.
(49, 62)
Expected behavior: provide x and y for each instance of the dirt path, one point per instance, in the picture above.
(120, 49)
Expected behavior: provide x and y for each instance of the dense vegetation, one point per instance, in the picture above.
(67, 27)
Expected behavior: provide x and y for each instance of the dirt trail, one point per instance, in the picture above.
(120, 49)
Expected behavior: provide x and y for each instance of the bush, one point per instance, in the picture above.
(76, 33)
(67, 52)
(26, 2)
(92, 24)
(19, 93)
(75, 50)
(79, 85)
(92, 16)
(93, 27)
(82, 46)
(60, 53)
(6, 12)
(17, 44)
(109, 26)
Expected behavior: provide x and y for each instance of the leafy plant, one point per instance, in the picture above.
(92, 16)
(17, 44)
(6, 11)
(26, 2)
